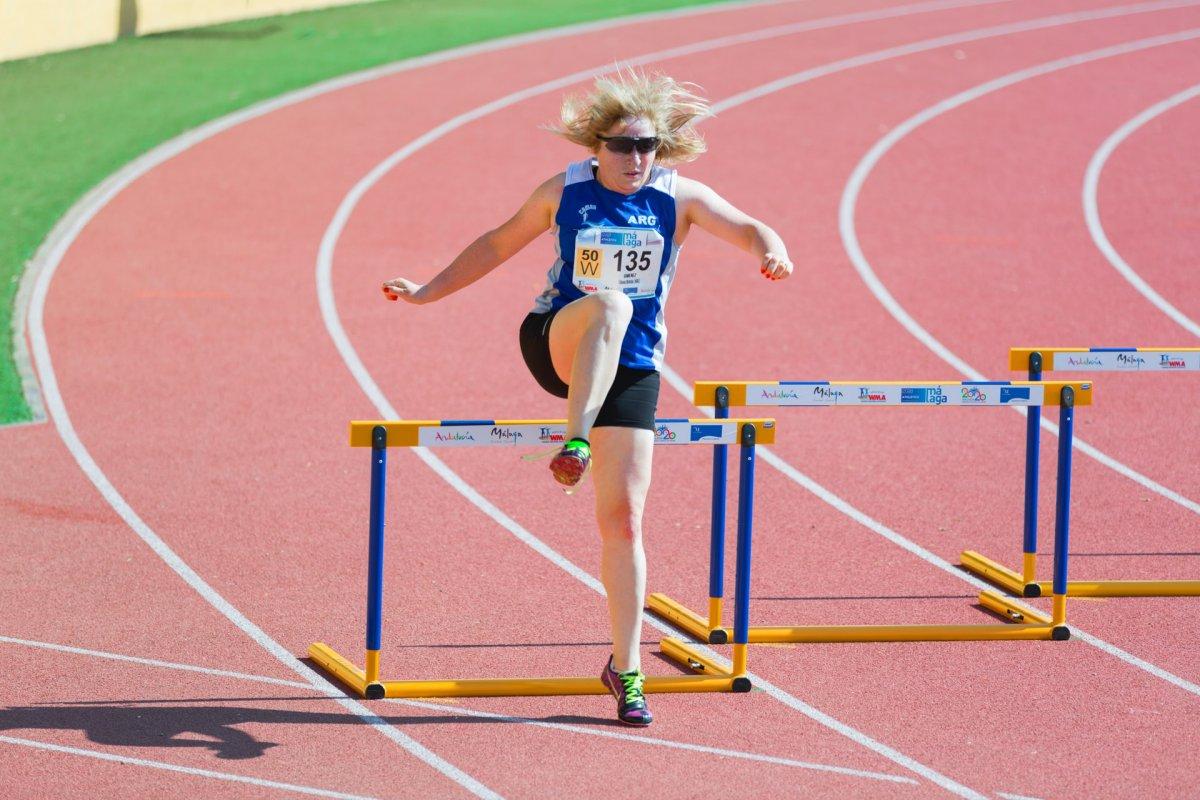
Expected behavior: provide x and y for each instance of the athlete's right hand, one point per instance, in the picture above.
(403, 289)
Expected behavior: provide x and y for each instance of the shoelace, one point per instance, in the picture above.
(633, 686)
(539, 455)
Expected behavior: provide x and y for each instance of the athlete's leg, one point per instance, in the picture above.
(621, 473)
(585, 345)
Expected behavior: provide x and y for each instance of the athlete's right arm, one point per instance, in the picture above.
(487, 252)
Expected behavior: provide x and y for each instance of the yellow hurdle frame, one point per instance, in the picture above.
(381, 434)
(1036, 360)
(1025, 623)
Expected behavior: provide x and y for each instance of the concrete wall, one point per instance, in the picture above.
(32, 27)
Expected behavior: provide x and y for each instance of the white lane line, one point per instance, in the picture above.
(40, 272)
(1007, 796)
(875, 154)
(151, 662)
(1091, 206)
(163, 765)
(456, 710)
(696, 748)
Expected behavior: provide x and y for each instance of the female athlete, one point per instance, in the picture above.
(596, 335)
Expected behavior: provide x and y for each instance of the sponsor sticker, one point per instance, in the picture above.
(774, 395)
(1168, 360)
(825, 395)
(1131, 361)
(924, 395)
(1160, 360)
(974, 395)
(871, 396)
(455, 436)
(503, 434)
(672, 432)
(707, 433)
(620, 238)
(552, 435)
(1072, 361)
(1022, 395)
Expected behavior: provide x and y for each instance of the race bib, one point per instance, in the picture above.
(624, 260)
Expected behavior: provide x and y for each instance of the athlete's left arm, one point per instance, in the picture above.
(703, 207)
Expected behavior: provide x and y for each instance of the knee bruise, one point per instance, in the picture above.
(624, 527)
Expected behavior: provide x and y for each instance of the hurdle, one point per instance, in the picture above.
(1024, 623)
(379, 435)
(1037, 360)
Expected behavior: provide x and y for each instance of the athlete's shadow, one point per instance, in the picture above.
(136, 724)
(159, 726)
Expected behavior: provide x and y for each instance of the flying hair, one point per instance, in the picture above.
(671, 107)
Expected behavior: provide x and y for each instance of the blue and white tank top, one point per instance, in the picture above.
(608, 240)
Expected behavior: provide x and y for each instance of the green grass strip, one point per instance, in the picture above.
(71, 119)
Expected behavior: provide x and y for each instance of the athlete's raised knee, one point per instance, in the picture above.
(611, 308)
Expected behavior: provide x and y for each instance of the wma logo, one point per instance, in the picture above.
(704, 433)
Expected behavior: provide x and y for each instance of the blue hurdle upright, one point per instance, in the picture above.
(380, 435)
(1027, 623)
(1079, 359)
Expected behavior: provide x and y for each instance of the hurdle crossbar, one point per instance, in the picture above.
(1036, 360)
(708, 676)
(1027, 623)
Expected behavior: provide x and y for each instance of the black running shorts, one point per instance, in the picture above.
(631, 402)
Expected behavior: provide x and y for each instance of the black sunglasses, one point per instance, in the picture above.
(627, 144)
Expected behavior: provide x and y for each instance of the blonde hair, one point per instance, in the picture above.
(668, 105)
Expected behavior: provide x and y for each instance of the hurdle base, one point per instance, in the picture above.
(1127, 588)
(995, 572)
(685, 619)
(1039, 626)
(1014, 583)
(712, 678)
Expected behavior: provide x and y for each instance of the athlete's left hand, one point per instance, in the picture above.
(775, 267)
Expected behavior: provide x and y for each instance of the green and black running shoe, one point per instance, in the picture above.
(571, 463)
(631, 700)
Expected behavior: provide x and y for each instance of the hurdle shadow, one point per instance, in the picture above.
(215, 728)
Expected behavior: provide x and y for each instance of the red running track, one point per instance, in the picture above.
(193, 360)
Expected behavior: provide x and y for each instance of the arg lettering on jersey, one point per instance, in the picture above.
(625, 260)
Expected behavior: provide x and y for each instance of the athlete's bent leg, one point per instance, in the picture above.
(621, 473)
(585, 346)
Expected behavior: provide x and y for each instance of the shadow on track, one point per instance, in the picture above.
(133, 723)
